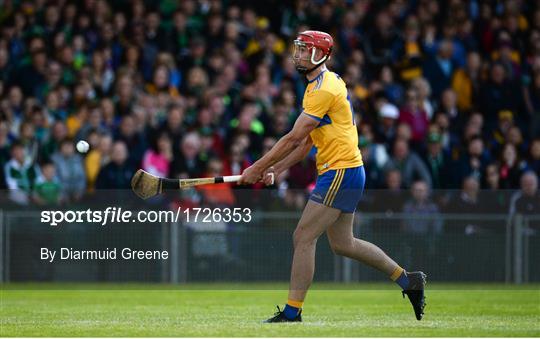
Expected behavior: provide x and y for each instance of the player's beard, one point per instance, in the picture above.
(304, 69)
(301, 69)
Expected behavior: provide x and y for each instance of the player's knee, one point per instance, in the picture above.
(302, 238)
(298, 238)
(341, 247)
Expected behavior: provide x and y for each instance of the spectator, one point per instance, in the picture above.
(409, 164)
(403, 132)
(15, 100)
(421, 205)
(211, 144)
(157, 160)
(173, 125)
(180, 34)
(498, 94)
(391, 87)
(413, 114)
(161, 83)
(124, 89)
(381, 40)
(93, 123)
(515, 137)
(280, 121)
(107, 109)
(386, 129)
(134, 140)
(500, 133)
(492, 177)
(466, 82)
(438, 162)
(509, 62)
(102, 74)
(186, 163)
(466, 202)
(532, 101)
(53, 107)
(391, 197)
(237, 161)
(493, 199)
(48, 190)
(410, 50)
(450, 108)
(423, 89)
(54, 80)
(534, 156)
(21, 174)
(349, 35)
(511, 167)
(449, 139)
(220, 195)
(70, 171)
(439, 69)
(374, 157)
(469, 202)
(40, 123)
(5, 68)
(527, 200)
(155, 36)
(4, 151)
(474, 162)
(249, 124)
(471, 131)
(27, 137)
(31, 77)
(96, 159)
(57, 134)
(118, 172)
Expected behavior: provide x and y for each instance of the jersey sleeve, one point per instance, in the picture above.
(318, 103)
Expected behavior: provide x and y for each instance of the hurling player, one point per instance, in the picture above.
(327, 122)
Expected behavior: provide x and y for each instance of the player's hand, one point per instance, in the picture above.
(269, 176)
(251, 175)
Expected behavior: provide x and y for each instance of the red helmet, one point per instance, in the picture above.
(316, 39)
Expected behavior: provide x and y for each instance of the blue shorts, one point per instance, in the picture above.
(340, 189)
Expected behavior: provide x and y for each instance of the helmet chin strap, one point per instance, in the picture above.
(313, 61)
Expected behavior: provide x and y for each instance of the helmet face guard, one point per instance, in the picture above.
(306, 48)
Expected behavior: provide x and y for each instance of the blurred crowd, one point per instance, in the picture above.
(446, 94)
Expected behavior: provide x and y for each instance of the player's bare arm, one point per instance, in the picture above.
(297, 155)
(284, 147)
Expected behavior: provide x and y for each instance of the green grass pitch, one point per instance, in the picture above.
(331, 310)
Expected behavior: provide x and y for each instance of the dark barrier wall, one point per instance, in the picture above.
(487, 246)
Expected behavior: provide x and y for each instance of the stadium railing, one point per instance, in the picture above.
(450, 247)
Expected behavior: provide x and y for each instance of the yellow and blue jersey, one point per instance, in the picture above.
(336, 137)
(341, 175)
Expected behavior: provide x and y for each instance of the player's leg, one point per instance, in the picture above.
(340, 233)
(343, 242)
(315, 219)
